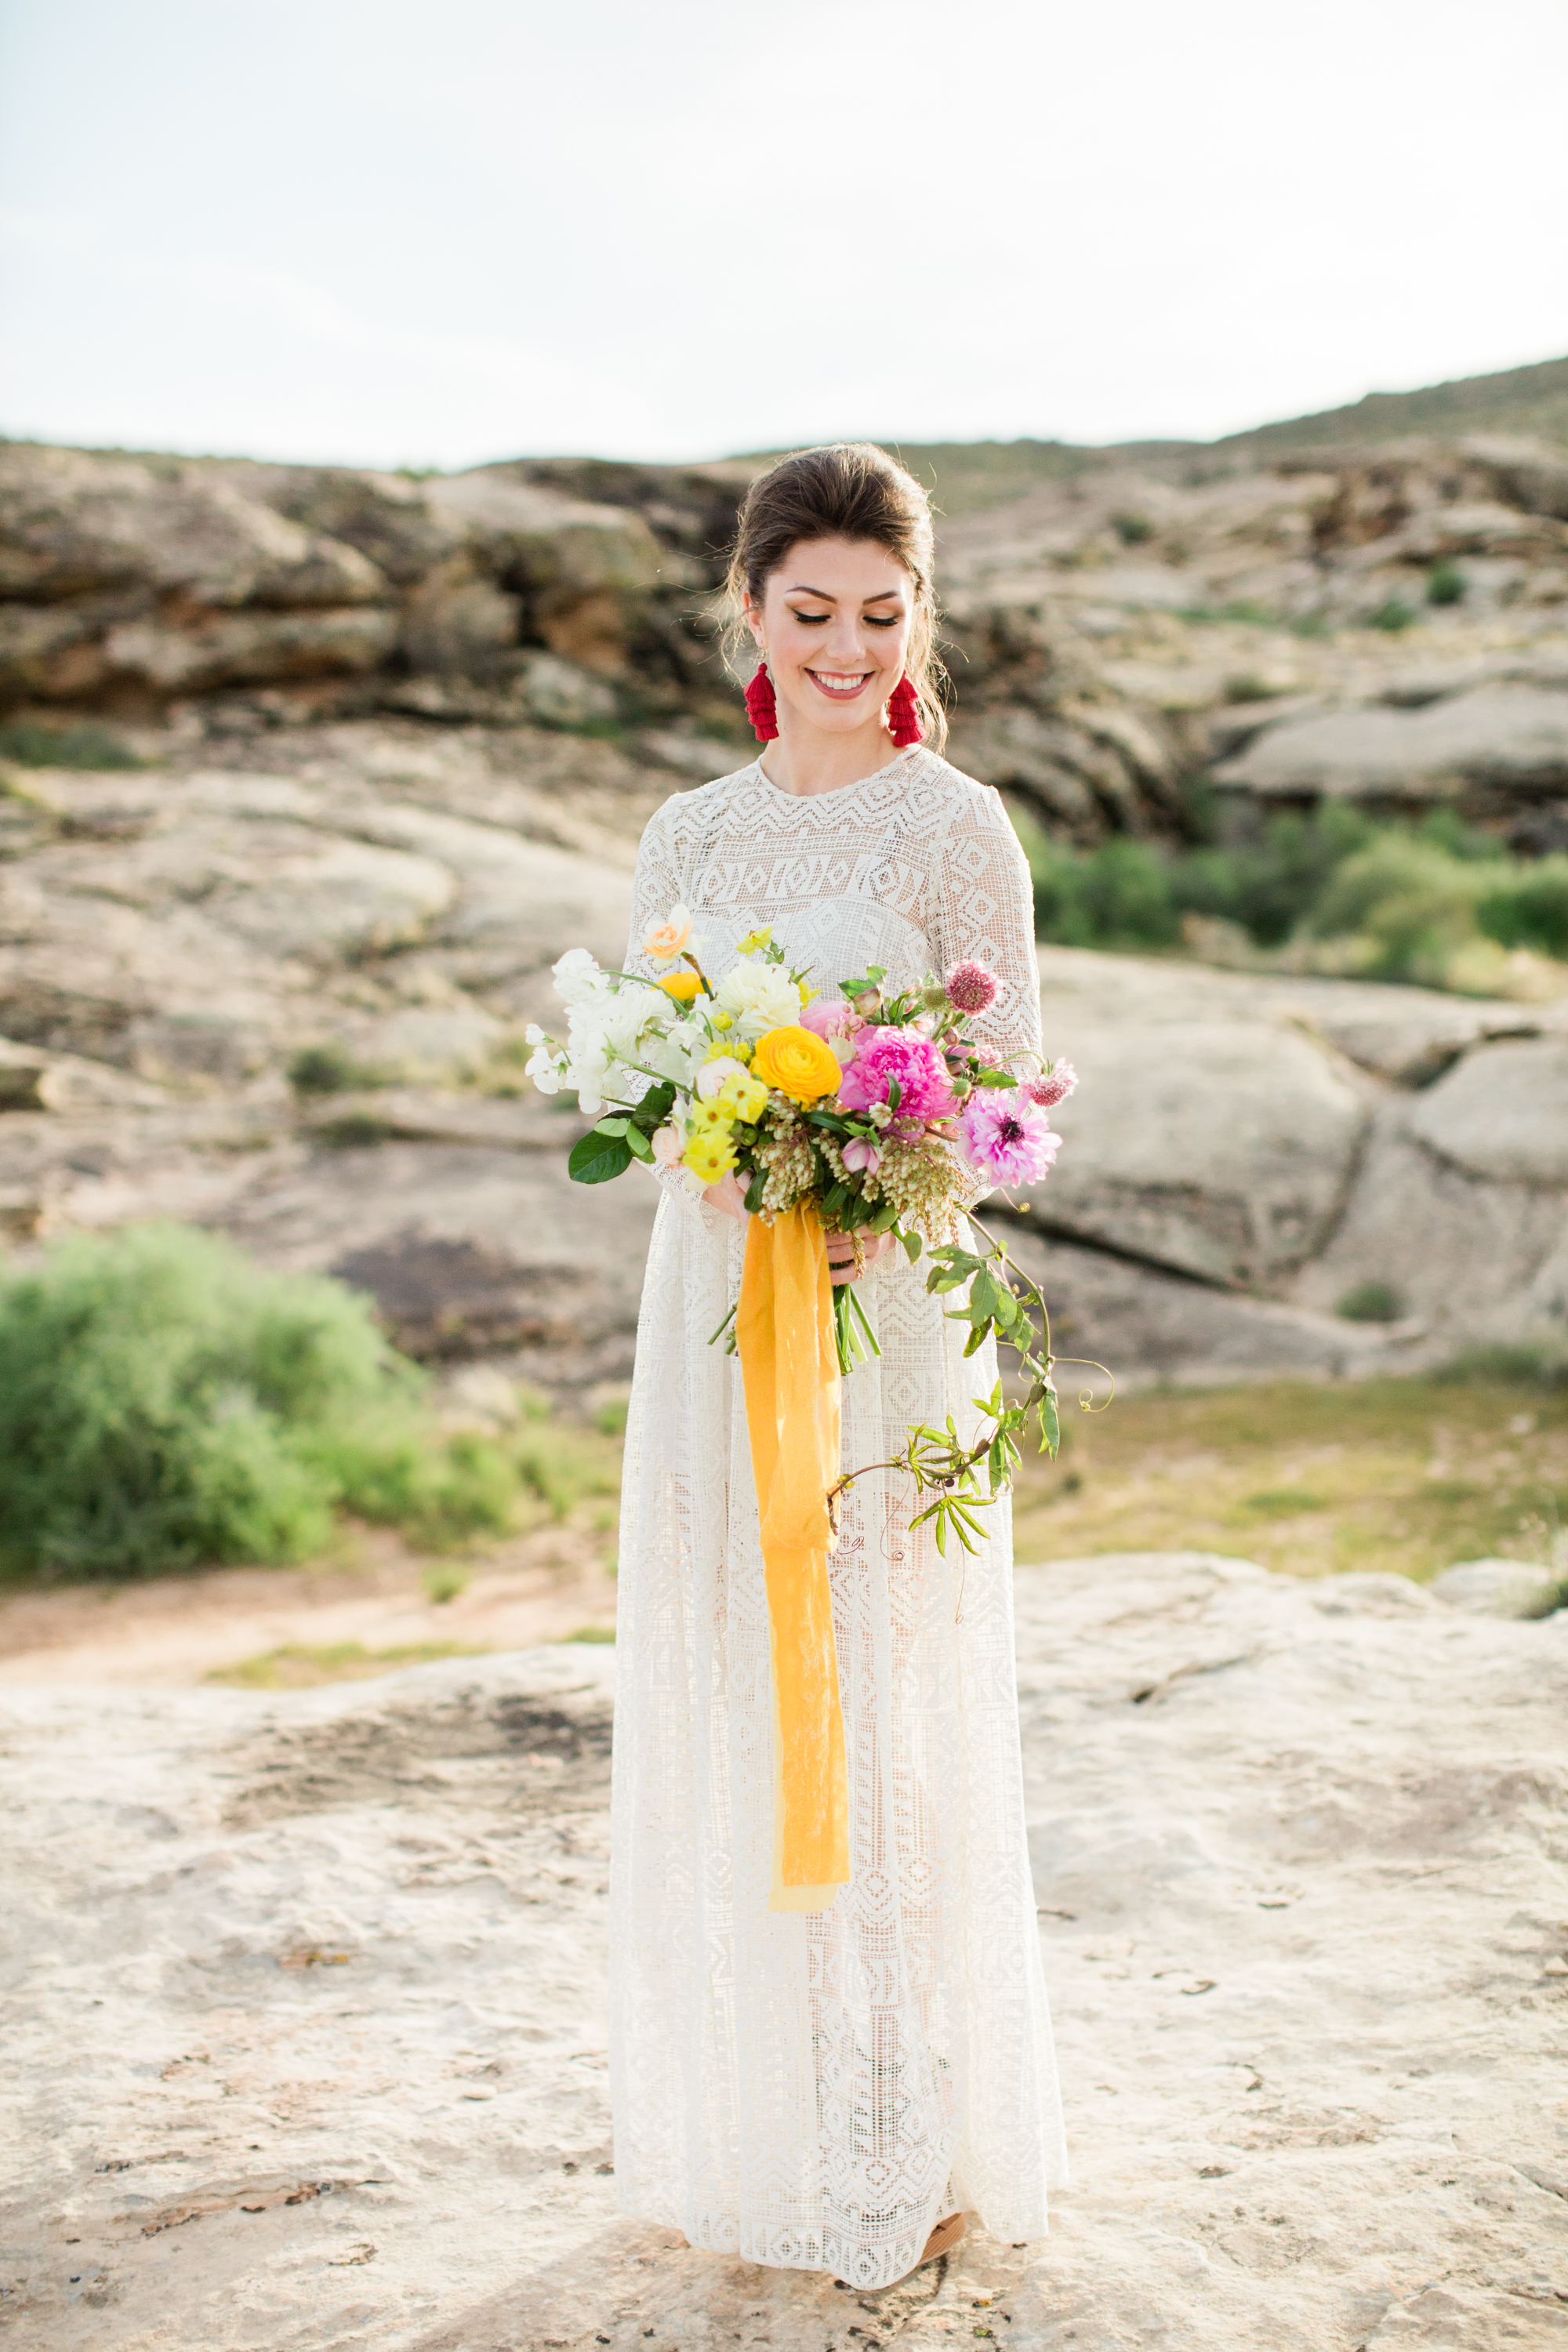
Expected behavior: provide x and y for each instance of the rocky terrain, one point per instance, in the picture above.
(396, 739)
(307, 2037)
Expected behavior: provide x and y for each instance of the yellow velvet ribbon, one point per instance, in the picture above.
(790, 1366)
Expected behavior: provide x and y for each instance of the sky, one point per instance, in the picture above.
(439, 232)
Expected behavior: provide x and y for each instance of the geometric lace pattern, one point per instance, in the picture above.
(816, 2090)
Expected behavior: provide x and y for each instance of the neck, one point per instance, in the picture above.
(804, 760)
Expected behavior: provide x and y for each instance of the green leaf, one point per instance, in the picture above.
(595, 1159)
(656, 1105)
(611, 1126)
(639, 1142)
(755, 1190)
(977, 1337)
(911, 1246)
(1050, 1425)
(886, 1216)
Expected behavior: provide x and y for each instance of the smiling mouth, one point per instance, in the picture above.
(841, 685)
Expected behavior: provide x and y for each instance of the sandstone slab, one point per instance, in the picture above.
(306, 2007)
(1506, 736)
(1502, 1114)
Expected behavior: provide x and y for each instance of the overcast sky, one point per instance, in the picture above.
(432, 232)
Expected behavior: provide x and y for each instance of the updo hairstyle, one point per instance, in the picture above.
(852, 491)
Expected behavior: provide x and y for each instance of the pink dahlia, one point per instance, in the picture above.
(972, 988)
(1007, 1137)
(885, 1054)
(1054, 1087)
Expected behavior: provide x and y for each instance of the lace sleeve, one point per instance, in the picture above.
(984, 909)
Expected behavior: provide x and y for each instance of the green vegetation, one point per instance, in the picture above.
(329, 1070)
(1409, 1474)
(1393, 614)
(1338, 890)
(1371, 1302)
(84, 744)
(1445, 584)
(300, 1665)
(164, 1402)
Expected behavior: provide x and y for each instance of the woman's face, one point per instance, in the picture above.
(834, 622)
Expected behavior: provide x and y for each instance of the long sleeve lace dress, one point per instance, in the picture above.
(818, 2089)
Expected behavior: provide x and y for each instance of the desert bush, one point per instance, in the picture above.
(1528, 908)
(85, 744)
(1445, 584)
(330, 1070)
(1393, 614)
(1371, 1302)
(163, 1400)
(1412, 901)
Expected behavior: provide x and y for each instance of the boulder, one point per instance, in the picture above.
(1221, 1149)
(1502, 1114)
(1500, 1588)
(577, 563)
(1504, 738)
(70, 522)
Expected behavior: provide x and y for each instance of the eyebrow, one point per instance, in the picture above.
(882, 596)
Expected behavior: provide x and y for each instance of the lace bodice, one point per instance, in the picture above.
(912, 868)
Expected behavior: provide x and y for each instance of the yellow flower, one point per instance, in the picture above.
(754, 941)
(797, 1063)
(715, 1117)
(806, 994)
(709, 1157)
(682, 985)
(747, 1097)
(727, 1049)
(722, 1020)
(665, 941)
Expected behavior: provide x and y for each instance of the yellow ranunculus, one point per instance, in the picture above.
(798, 1063)
(709, 1157)
(747, 1097)
(682, 985)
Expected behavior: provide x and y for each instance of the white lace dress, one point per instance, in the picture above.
(816, 2090)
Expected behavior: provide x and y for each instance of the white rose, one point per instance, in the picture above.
(760, 996)
(710, 1077)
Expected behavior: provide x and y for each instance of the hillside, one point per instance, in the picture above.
(967, 477)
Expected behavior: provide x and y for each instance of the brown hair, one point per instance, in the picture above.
(850, 490)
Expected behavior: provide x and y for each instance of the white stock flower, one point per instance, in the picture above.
(761, 996)
(544, 1069)
(578, 979)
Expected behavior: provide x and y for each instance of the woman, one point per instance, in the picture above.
(830, 2089)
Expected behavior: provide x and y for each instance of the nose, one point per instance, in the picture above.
(846, 643)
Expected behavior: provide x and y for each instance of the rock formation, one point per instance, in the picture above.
(397, 738)
(306, 2031)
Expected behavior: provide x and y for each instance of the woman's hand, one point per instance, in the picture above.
(728, 1196)
(841, 1254)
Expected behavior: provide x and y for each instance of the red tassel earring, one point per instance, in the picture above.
(903, 715)
(761, 707)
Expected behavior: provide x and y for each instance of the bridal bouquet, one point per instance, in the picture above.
(874, 1111)
(876, 1107)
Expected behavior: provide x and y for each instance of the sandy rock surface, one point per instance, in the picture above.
(305, 1992)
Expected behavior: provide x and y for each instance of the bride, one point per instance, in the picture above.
(825, 2089)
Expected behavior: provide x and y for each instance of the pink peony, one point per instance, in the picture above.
(972, 988)
(1007, 1137)
(1054, 1087)
(885, 1054)
(861, 1155)
(829, 1016)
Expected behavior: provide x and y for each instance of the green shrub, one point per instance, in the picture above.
(329, 1070)
(83, 745)
(1371, 1302)
(1413, 902)
(1132, 530)
(1393, 614)
(1271, 886)
(1445, 584)
(164, 1402)
(1529, 908)
(1118, 895)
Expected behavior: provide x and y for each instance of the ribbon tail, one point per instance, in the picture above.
(790, 1366)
